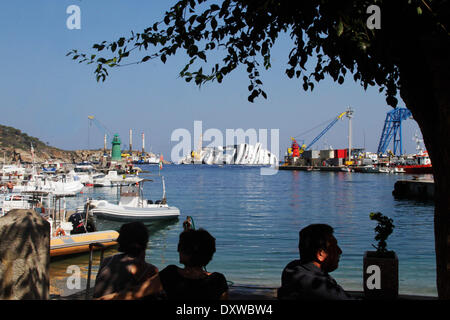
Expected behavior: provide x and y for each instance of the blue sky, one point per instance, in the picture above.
(49, 96)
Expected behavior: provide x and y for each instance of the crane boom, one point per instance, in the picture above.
(332, 123)
(100, 126)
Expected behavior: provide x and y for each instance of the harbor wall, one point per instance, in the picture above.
(24, 256)
(417, 189)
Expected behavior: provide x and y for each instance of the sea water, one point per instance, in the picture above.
(256, 219)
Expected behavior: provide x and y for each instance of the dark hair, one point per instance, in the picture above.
(312, 239)
(133, 238)
(199, 245)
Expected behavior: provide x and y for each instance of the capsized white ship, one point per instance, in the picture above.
(242, 154)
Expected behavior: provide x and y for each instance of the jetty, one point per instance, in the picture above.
(315, 168)
(418, 188)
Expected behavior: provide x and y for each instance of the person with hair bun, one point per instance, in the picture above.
(128, 268)
(196, 249)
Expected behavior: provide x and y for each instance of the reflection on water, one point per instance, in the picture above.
(256, 219)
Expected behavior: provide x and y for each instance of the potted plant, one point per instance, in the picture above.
(380, 267)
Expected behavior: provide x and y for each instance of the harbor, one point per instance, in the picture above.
(256, 228)
(313, 154)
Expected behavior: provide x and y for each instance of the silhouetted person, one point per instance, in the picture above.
(79, 225)
(308, 277)
(187, 224)
(196, 249)
(127, 269)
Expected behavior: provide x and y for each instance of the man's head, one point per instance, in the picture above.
(317, 244)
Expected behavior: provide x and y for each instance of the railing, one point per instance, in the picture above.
(91, 250)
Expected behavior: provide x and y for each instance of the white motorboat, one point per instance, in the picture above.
(12, 172)
(67, 185)
(152, 159)
(11, 201)
(86, 173)
(399, 170)
(64, 185)
(132, 206)
(113, 179)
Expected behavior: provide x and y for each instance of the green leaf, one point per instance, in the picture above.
(340, 28)
(202, 55)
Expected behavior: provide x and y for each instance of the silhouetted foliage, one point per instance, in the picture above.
(334, 32)
(383, 230)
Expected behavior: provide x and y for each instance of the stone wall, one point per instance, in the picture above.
(24, 256)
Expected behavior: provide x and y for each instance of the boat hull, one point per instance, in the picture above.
(136, 214)
(79, 243)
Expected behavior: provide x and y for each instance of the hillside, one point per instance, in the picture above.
(15, 143)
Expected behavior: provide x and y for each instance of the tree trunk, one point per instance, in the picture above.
(425, 83)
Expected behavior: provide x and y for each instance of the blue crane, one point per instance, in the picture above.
(393, 130)
(332, 123)
(100, 126)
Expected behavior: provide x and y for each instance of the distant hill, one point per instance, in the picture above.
(15, 143)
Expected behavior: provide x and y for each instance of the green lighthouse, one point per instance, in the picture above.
(116, 153)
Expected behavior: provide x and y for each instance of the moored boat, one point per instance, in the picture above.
(113, 179)
(132, 206)
(421, 164)
(66, 237)
(78, 243)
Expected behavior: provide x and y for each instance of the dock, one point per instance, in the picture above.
(422, 189)
(315, 168)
